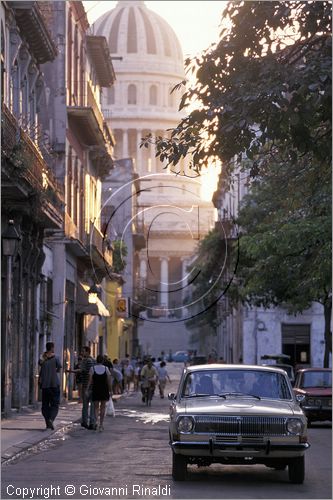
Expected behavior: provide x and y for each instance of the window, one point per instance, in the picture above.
(153, 95)
(131, 94)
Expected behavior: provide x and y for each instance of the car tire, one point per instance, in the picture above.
(296, 470)
(179, 467)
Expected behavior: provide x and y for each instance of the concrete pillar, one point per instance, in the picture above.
(59, 287)
(125, 143)
(152, 152)
(143, 269)
(164, 296)
(139, 152)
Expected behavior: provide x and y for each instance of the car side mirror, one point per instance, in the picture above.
(300, 398)
(171, 396)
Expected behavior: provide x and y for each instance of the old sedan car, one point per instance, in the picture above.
(237, 414)
(314, 385)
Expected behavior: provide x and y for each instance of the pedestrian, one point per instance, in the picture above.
(128, 375)
(100, 385)
(163, 376)
(50, 385)
(148, 377)
(87, 404)
(78, 377)
(117, 377)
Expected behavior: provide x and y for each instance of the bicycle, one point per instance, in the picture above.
(148, 389)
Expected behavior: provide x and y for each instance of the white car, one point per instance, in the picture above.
(237, 414)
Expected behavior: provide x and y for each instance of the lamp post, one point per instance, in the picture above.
(10, 239)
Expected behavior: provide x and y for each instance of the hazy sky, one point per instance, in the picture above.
(196, 23)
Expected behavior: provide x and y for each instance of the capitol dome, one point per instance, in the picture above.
(136, 33)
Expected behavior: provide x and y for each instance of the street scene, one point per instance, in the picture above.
(133, 452)
(166, 238)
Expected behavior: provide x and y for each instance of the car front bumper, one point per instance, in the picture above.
(227, 449)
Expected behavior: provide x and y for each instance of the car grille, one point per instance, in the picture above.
(244, 426)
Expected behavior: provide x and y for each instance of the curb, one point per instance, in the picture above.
(13, 452)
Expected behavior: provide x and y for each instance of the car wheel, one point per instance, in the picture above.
(296, 470)
(179, 467)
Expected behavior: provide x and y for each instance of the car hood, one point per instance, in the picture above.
(238, 405)
(315, 391)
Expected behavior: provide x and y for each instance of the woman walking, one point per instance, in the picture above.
(100, 382)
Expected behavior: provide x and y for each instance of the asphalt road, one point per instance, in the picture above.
(132, 459)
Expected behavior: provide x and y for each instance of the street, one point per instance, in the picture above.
(132, 459)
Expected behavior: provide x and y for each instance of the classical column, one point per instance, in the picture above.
(184, 286)
(143, 272)
(164, 296)
(139, 152)
(152, 152)
(125, 143)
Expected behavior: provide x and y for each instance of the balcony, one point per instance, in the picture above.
(99, 52)
(98, 252)
(25, 172)
(30, 20)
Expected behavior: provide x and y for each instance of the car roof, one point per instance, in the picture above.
(223, 366)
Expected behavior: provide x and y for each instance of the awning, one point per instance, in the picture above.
(84, 307)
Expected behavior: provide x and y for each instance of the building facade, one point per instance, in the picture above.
(56, 150)
(83, 143)
(32, 197)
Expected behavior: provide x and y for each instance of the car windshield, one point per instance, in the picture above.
(317, 379)
(228, 382)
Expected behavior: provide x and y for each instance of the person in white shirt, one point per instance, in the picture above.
(163, 376)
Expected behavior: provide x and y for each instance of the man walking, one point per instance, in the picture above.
(50, 385)
(87, 363)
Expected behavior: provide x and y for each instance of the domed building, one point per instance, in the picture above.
(148, 63)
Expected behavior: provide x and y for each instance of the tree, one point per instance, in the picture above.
(268, 79)
(285, 248)
(264, 93)
(119, 252)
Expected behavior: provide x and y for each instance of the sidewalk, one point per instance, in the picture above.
(26, 428)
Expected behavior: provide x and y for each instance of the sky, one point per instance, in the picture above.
(196, 23)
(197, 26)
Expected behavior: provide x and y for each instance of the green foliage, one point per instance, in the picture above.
(258, 85)
(285, 248)
(119, 252)
(209, 270)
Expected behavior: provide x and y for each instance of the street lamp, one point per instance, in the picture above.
(93, 293)
(10, 239)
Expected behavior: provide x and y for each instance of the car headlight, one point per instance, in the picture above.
(185, 424)
(294, 426)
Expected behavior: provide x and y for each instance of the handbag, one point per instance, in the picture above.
(110, 411)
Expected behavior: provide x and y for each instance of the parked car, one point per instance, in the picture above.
(288, 368)
(280, 361)
(237, 414)
(198, 359)
(314, 385)
(180, 356)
